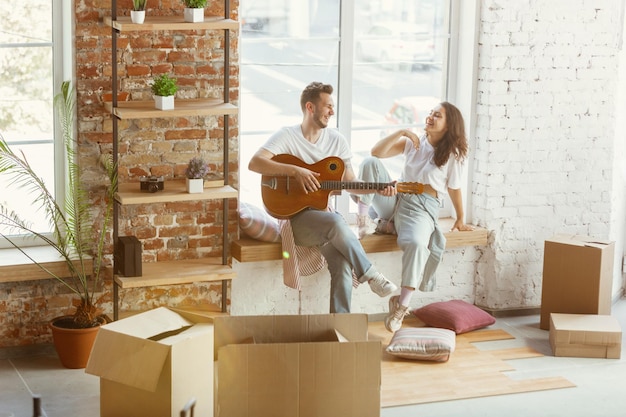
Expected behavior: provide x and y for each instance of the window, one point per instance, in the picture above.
(31, 68)
(387, 60)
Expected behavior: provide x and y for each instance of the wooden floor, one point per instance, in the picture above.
(469, 373)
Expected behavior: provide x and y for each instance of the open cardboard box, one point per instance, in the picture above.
(297, 366)
(153, 363)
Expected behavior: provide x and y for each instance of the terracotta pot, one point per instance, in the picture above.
(73, 345)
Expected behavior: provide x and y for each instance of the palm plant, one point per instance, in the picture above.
(73, 234)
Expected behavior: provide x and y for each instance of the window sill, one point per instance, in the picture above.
(16, 267)
(247, 249)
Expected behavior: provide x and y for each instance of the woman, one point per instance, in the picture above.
(435, 160)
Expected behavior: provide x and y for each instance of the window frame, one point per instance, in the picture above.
(458, 86)
(62, 69)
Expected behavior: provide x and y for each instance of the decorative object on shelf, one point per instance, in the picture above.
(138, 14)
(164, 88)
(197, 169)
(151, 183)
(194, 10)
(74, 236)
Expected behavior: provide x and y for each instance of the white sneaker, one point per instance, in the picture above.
(381, 285)
(366, 225)
(397, 312)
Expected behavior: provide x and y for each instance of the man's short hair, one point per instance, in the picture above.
(312, 93)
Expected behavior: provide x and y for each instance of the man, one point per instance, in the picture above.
(311, 141)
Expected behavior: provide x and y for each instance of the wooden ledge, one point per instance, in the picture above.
(15, 266)
(248, 249)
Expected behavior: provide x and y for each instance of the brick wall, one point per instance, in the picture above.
(158, 147)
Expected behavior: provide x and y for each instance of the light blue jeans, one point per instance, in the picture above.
(341, 249)
(415, 219)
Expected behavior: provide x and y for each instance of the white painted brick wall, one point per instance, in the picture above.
(544, 135)
(259, 289)
(543, 146)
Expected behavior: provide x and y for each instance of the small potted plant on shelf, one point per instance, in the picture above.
(194, 10)
(164, 89)
(138, 14)
(197, 169)
(73, 234)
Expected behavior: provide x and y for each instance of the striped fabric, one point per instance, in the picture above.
(257, 224)
(300, 260)
(423, 343)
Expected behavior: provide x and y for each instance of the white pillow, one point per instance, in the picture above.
(257, 224)
(422, 343)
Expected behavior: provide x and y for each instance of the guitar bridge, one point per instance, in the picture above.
(271, 183)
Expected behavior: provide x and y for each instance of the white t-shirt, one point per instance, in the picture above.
(419, 167)
(290, 140)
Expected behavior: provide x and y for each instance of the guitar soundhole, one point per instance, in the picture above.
(333, 166)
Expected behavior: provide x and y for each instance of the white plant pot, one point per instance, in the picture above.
(195, 185)
(194, 15)
(137, 16)
(164, 102)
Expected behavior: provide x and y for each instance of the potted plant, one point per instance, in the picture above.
(197, 169)
(138, 14)
(164, 89)
(74, 237)
(194, 10)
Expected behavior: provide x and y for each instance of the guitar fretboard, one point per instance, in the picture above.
(353, 185)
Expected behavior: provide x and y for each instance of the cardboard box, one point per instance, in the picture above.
(153, 363)
(297, 366)
(577, 276)
(584, 335)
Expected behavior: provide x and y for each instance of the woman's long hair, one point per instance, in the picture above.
(454, 141)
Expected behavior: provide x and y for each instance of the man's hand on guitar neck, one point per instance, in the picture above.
(389, 191)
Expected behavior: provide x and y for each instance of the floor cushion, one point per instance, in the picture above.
(422, 343)
(456, 315)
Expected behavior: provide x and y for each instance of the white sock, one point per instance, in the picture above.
(363, 209)
(405, 296)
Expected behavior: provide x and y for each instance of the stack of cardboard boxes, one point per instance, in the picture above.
(576, 297)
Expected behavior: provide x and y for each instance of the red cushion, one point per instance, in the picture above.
(456, 315)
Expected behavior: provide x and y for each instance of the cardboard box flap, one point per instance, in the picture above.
(124, 353)
(127, 359)
(149, 324)
(578, 240)
(289, 328)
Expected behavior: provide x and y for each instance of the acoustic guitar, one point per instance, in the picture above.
(283, 197)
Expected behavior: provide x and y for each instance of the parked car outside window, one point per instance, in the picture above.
(397, 45)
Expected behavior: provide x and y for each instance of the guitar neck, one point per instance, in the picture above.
(353, 185)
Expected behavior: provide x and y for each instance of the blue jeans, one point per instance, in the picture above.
(341, 249)
(415, 220)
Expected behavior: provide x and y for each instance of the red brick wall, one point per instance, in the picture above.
(158, 147)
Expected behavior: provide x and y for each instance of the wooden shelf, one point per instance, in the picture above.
(174, 190)
(182, 108)
(154, 23)
(178, 272)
